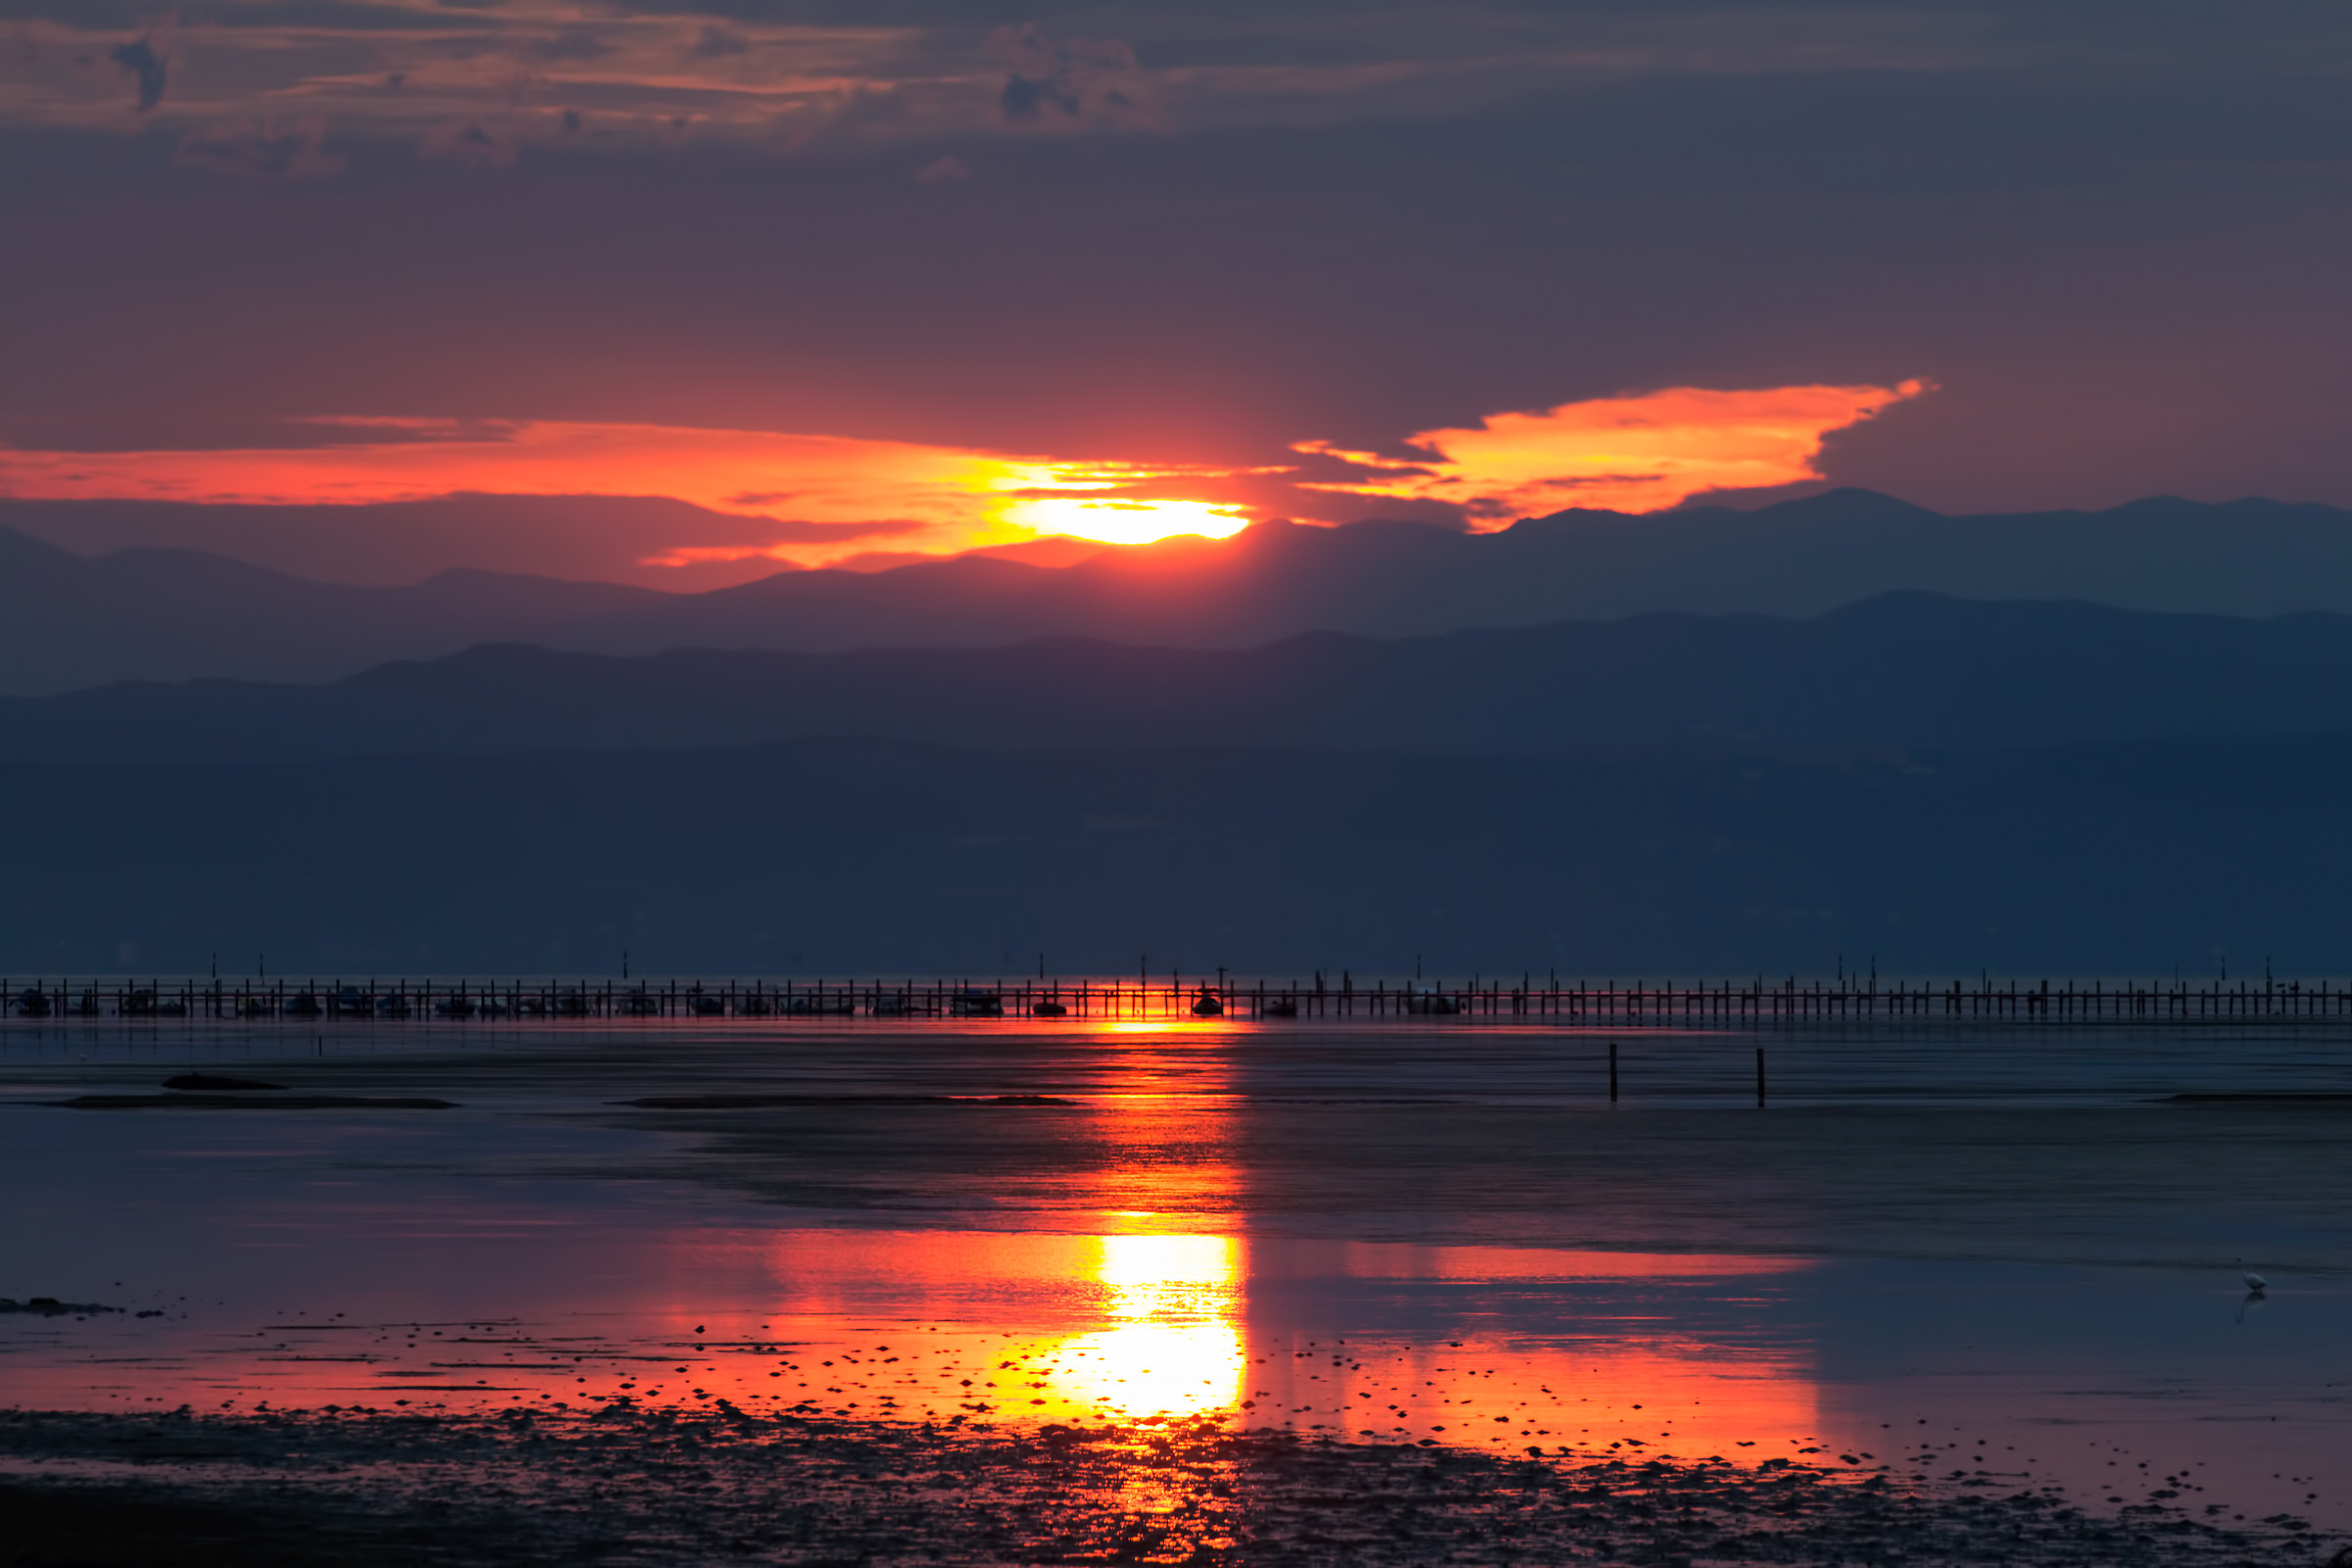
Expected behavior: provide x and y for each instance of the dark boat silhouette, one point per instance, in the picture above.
(895, 1005)
(1208, 1005)
(707, 1006)
(1431, 1001)
(1049, 1010)
(821, 1008)
(32, 1002)
(391, 1004)
(303, 1005)
(1279, 1007)
(972, 1003)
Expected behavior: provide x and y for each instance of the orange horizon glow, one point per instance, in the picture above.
(910, 496)
(831, 499)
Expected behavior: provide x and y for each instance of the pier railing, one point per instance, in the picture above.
(1756, 1003)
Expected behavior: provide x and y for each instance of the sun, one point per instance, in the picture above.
(1125, 522)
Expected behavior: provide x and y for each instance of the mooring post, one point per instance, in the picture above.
(1612, 1072)
(1759, 1077)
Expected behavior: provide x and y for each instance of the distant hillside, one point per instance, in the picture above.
(67, 621)
(391, 544)
(167, 615)
(1896, 673)
(833, 857)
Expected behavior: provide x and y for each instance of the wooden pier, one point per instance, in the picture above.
(1711, 1005)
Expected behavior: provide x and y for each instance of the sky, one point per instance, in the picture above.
(869, 281)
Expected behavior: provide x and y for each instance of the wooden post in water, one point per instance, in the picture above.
(1759, 1077)
(1612, 1072)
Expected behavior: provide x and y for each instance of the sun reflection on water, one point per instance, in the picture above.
(1160, 1026)
(1174, 1345)
(1119, 1288)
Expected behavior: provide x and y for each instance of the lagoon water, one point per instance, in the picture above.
(1952, 1250)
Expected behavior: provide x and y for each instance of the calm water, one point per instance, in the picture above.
(1994, 1249)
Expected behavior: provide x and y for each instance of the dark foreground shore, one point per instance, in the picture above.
(631, 1487)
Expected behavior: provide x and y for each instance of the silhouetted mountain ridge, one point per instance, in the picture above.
(387, 544)
(1896, 673)
(68, 621)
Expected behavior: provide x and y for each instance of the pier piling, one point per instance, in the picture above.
(1611, 1007)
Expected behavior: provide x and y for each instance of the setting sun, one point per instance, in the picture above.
(1125, 522)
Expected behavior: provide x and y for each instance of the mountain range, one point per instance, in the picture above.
(1707, 742)
(68, 620)
(1895, 673)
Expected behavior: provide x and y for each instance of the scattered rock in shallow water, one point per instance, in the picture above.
(214, 1082)
(51, 1307)
(222, 1102)
(684, 1489)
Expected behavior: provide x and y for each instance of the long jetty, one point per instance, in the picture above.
(1716, 1004)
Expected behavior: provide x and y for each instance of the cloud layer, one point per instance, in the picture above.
(1632, 454)
(557, 71)
(779, 498)
(808, 500)
(1184, 237)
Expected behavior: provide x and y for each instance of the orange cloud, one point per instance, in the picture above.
(817, 500)
(1632, 454)
(926, 498)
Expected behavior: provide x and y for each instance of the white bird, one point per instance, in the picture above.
(2255, 1283)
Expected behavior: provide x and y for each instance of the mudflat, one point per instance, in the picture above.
(988, 1293)
(636, 1487)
